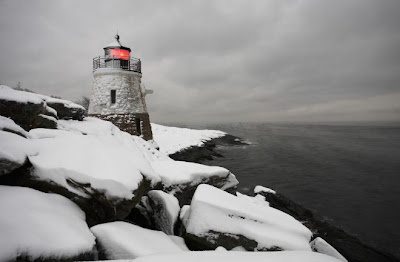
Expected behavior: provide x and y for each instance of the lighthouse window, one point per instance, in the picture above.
(113, 96)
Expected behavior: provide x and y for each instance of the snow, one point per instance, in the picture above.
(122, 240)
(105, 157)
(9, 125)
(66, 103)
(168, 215)
(14, 148)
(175, 139)
(180, 172)
(214, 209)
(212, 256)
(40, 225)
(180, 242)
(10, 94)
(258, 199)
(259, 189)
(321, 246)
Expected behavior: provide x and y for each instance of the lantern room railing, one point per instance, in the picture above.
(131, 64)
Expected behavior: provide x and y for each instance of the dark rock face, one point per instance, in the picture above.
(66, 112)
(206, 152)
(349, 246)
(88, 256)
(27, 115)
(97, 207)
(162, 219)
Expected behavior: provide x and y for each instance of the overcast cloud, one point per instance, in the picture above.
(218, 61)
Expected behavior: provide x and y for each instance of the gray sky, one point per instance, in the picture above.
(218, 61)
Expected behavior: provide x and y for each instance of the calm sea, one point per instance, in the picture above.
(350, 174)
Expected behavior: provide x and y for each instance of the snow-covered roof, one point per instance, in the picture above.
(116, 43)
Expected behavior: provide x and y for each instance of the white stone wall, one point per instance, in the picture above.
(129, 96)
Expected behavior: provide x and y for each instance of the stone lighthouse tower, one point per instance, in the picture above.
(117, 95)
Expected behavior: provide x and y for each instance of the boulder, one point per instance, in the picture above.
(217, 218)
(36, 226)
(27, 109)
(182, 178)
(66, 109)
(164, 210)
(121, 240)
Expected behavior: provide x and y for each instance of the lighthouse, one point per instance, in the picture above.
(117, 93)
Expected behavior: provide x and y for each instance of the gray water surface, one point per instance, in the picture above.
(349, 174)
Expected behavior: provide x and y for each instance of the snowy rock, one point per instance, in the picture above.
(175, 139)
(182, 178)
(165, 210)
(121, 240)
(40, 226)
(257, 199)
(8, 125)
(261, 189)
(14, 150)
(65, 109)
(321, 246)
(217, 218)
(106, 174)
(212, 256)
(26, 109)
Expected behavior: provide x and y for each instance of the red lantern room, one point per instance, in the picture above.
(116, 50)
(117, 56)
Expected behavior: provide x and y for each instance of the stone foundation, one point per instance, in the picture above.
(135, 124)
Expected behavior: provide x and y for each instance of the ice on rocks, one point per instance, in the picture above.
(175, 139)
(121, 240)
(321, 246)
(214, 212)
(165, 210)
(37, 225)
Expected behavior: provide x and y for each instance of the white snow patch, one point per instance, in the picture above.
(14, 148)
(258, 199)
(180, 242)
(214, 209)
(10, 94)
(212, 256)
(175, 139)
(180, 172)
(321, 246)
(40, 225)
(259, 189)
(8, 123)
(122, 240)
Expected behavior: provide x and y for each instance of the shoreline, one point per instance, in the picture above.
(348, 245)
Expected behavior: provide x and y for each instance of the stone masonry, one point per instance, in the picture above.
(128, 110)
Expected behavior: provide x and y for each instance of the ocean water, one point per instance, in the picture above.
(350, 174)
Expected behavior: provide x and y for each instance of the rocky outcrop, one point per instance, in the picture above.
(96, 205)
(208, 150)
(216, 218)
